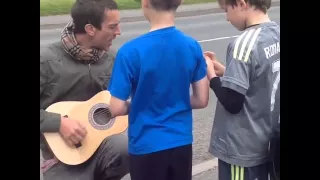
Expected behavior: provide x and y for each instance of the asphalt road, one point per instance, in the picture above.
(214, 33)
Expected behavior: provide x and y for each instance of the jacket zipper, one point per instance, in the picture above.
(89, 67)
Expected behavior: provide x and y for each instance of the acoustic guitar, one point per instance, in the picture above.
(95, 115)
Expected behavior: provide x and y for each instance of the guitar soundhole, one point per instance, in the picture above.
(102, 116)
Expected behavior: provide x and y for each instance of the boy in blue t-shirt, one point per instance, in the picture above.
(156, 70)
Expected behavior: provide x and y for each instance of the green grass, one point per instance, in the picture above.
(58, 7)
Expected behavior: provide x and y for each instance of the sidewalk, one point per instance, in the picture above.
(137, 15)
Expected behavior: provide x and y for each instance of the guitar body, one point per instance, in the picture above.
(95, 115)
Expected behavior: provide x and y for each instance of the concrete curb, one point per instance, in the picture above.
(204, 166)
(52, 22)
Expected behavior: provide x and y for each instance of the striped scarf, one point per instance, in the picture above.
(73, 48)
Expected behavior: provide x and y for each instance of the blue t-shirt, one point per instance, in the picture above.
(156, 70)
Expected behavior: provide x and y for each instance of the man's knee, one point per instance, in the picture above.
(116, 144)
(113, 156)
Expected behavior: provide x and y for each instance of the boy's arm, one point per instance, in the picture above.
(119, 107)
(231, 100)
(120, 85)
(232, 87)
(200, 94)
(200, 90)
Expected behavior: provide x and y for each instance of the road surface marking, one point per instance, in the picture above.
(216, 39)
(204, 166)
(45, 42)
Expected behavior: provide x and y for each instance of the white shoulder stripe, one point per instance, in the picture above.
(253, 40)
(247, 41)
(237, 44)
(244, 43)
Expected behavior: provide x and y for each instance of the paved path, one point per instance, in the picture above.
(62, 19)
(48, 22)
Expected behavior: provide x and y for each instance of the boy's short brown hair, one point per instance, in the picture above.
(262, 5)
(165, 5)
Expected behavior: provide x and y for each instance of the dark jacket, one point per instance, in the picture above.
(62, 78)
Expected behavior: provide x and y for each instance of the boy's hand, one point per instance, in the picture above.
(218, 67)
(211, 55)
(210, 68)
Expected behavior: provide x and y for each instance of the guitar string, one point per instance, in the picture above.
(99, 113)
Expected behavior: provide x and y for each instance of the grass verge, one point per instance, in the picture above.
(59, 7)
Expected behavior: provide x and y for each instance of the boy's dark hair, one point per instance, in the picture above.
(262, 5)
(165, 5)
(90, 12)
